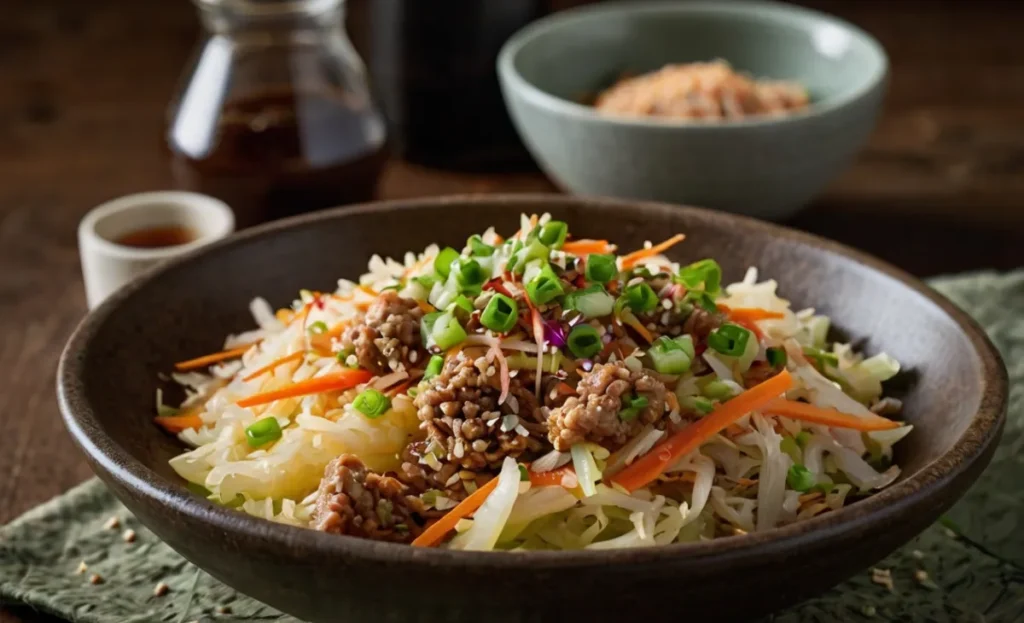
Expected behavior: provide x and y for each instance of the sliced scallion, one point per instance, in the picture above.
(545, 286)
(553, 233)
(729, 339)
(584, 341)
(776, 357)
(262, 432)
(433, 367)
(640, 298)
(501, 314)
(600, 268)
(717, 390)
(671, 356)
(446, 331)
(800, 478)
(371, 403)
(317, 328)
(592, 301)
(479, 248)
(443, 261)
(705, 275)
(635, 406)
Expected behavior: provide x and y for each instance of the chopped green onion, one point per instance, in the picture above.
(800, 478)
(433, 367)
(717, 390)
(669, 356)
(776, 357)
(443, 261)
(600, 268)
(535, 250)
(705, 275)
(469, 274)
(501, 314)
(446, 331)
(462, 303)
(729, 339)
(802, 438)
(425, 281)
(821, 357)
(584, 341)
(544, 287)
(636, 405)
(479, 248)
(703, 299)
(592, 301)
(553, 233)
(262, 432)
(700, 404)
(524, 476)
(318, 327)
(640, 298)
(427, 323)
(371, 403)
(792, 448)
(344, 353)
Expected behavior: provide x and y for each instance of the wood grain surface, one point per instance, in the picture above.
(84, 85)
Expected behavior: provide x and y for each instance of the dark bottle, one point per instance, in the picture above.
(433, 66)
(275, 117)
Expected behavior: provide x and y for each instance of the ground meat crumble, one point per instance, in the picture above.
(467, 430)
(355, 501)
(388, 338)
(593, 415)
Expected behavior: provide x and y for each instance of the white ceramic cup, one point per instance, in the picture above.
(107, 265)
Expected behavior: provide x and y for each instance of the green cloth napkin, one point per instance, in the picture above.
(969, 567)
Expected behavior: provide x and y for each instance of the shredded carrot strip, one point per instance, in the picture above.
(322, 341)
(828, 417)
(337, 381)
(556, 477)
(273, 365)
(205, 360)
(178, 423)
(750, 314)
(633, 258)
(284, 315)
(498, 239)
(368, 290)
(664, 455)
(436, 531)
(425, 307)
(638, 326)
(586, 247)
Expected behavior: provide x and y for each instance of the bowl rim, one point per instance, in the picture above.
(506, 62)
(290, 541)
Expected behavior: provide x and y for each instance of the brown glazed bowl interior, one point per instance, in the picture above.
(954, 389)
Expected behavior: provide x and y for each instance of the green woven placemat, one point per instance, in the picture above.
(970, 567)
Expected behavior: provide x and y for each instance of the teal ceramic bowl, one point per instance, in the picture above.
(768, 167)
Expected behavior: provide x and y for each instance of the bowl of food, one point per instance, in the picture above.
(540, 406)
(750, 107)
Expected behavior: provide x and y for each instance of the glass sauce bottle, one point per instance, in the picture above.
(275, 116)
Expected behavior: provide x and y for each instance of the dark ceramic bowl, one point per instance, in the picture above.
(955, 394)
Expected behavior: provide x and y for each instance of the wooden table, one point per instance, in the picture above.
(939, 188)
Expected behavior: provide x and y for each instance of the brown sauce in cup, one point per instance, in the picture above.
(157, 237)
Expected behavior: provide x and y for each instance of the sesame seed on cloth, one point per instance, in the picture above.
(976, 574)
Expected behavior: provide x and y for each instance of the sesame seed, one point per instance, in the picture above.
(413, 356)
(128, 536)
(95, 579)
(665, 318)
(459, 450)
(667, 304)
(351, 360)
(513, 374)
(921, 576)
(160, 589)
(882, 577)
(918, 554)
(82, 568)
(223, 609)
(451, 481)
(112, 524)
(652, 327)
(522, 431)
(950, 533)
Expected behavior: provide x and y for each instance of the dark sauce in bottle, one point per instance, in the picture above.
(282, 152)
